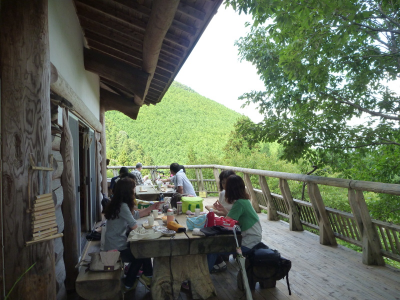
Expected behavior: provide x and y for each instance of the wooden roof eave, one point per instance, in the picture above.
(135, 62)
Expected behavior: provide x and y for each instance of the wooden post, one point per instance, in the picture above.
(326, 235)
(250, 189)
(104, 184)
(370, 238)
(99, 176)
(199, 178)
(294, 217)
(69, 205)
(25, 129)
(216, 176)
(272, 214)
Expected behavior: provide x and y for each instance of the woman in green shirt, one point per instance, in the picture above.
(241, 211)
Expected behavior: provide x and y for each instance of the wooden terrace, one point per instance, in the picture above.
(318, 271)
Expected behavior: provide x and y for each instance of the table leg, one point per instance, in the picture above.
(189, 267)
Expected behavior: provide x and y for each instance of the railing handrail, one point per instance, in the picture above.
(370, 186)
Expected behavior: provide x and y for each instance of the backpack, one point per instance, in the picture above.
(268, 259)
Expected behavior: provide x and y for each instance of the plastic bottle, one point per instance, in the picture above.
(210, 218)
(170, 215)
(161, 197)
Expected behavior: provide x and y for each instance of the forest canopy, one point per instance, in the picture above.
(323, 64)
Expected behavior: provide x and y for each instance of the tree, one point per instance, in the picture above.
(323, 63)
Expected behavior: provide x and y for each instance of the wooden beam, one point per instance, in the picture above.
(191, 11)
(62, 88)
(99, 17)
(109, 8)
(133, 79)
(25, 129)
(111, 101)
(161, 17)
(168, 54)
(116, 87)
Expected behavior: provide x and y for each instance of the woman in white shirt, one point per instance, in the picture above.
(222, 185)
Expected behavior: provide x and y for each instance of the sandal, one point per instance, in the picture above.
(219, 268)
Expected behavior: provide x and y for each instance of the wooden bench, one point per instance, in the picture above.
(97, 285)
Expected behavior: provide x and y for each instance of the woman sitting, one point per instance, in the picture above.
(241, 211)
(223, 176)
(120, 213)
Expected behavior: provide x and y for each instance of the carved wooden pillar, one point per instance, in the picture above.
(326, 235)
(25, 130)
(104, 184)
(216, 176)
(294, 216)
(250, 189)
(369, 236)
(272, 214)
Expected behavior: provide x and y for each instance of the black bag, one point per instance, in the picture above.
(93, 236)
(261, 256)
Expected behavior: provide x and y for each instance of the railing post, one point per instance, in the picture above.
(216, 176)
(253, 196)
(272, 214)
(199, 179)
(326, 234)
(370, 238)
(294, 217)
(153, 175)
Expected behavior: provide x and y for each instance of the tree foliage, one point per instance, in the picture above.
(323, 63)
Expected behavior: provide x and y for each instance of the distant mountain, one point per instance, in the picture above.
(183, 122)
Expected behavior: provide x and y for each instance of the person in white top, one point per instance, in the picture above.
(222, 184)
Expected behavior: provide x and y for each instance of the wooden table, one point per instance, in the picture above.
(152, 194)
(188, 261)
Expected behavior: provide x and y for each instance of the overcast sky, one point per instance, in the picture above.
(213, 68)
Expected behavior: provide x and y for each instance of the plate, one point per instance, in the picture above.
(167, 232)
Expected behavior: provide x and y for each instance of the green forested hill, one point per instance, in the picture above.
(184, 122)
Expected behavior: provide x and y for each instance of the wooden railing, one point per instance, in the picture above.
(378, 239)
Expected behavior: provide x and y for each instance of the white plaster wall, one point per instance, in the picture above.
(66, 53)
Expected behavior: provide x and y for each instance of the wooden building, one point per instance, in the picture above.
(63, 64)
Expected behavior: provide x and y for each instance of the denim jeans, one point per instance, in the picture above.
(136, 264)
(212, 257)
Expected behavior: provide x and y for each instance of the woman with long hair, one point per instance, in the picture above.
(223, 176)
(120, 214)
(241, 211)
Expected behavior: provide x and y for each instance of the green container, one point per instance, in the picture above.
(191, 203)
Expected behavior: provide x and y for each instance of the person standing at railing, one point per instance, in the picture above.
(138, 174)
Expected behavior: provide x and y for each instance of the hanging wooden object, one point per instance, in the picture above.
(44, 226)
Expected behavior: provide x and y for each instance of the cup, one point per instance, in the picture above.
(197, 212)
(150, 220)
(155, 213)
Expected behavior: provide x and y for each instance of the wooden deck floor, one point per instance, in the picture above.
(318, 272)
